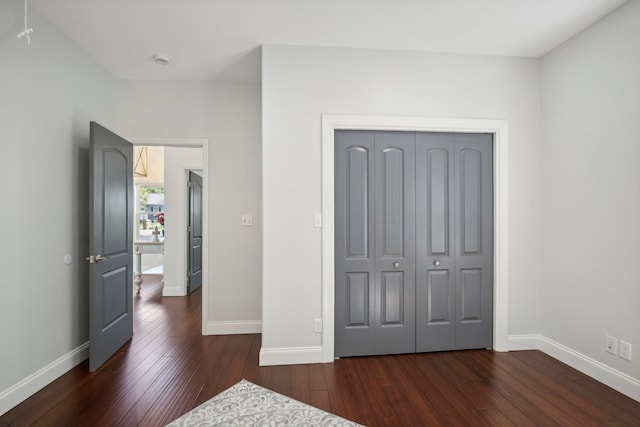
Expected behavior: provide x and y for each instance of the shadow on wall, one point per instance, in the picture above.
(80, 224)
(11, 20)
(245, 67)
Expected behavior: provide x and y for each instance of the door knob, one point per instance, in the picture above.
(97, 258)
(437, 263)
(100, 258)
(396, 264)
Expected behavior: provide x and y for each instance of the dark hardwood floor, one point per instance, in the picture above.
(169, 368)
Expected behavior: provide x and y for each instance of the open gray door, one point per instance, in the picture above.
(195, 232)
(110, 244)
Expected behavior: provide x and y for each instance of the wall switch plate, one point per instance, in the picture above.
(317, 220)
(625, 350)
(612, 345)
(317, 325)
(247, 220)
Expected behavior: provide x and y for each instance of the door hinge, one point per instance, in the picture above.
(188, 183)
(188, 229)
(188, 274)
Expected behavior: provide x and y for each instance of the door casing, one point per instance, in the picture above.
(499, 129)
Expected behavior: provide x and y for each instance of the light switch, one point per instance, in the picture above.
(317, 220)
(247, 220)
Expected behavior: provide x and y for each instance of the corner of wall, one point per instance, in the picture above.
(290, 356)
(607, 375)
(38, 380)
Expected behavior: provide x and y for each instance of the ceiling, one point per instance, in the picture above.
(218, 40)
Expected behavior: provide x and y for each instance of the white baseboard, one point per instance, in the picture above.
(38, 380)
(615, 379)
(523, 342)
(172, 292)
(234, 327)
(290, 356)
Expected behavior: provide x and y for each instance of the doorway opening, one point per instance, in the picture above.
(167, 225)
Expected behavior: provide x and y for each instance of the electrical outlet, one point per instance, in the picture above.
(317, 325)
(246, 220)
(612, 345)
(625, 350)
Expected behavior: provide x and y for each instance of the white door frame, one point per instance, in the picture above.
(499, 129)
(193, 143)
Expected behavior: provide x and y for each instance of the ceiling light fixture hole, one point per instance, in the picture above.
(161, 58)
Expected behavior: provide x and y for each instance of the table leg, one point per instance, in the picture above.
(137, 271)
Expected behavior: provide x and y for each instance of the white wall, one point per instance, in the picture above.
(229, 116)
(591, 190)
(301, 83)
(49, 91)
(177, 160)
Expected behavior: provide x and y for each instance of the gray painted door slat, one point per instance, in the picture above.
(435, 243)
(474, 240)
(354, 245)
(395, 242)
(454, 278)
(195, 233)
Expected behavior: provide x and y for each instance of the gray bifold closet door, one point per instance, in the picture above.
(375, 243)
(454, 204)
(413, 242)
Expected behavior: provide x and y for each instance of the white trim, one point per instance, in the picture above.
(204, 143)
(615, 379)
(172, 291)
(38, 380)
(290, 356)
(234, 327)
(523, 342)
(499, 128)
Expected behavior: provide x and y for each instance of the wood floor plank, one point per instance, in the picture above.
(318, 388)
(443, 393)
(375, 386)
(300, 383)
(409, 403)
(169, 368)
(564, 409)
(224, 358)
(338, 393)
(517, 394)
(560, 390)
(494, 417)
